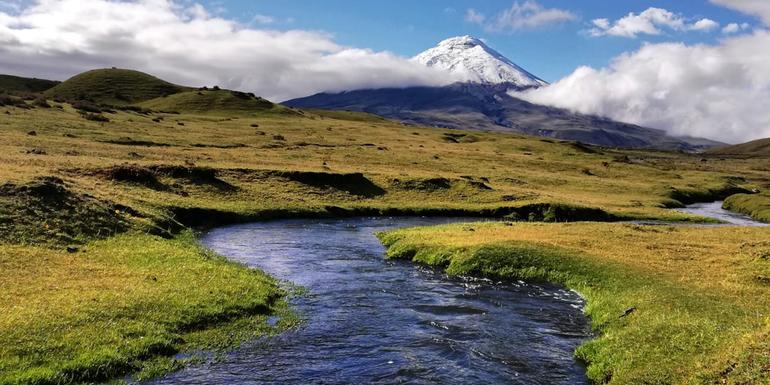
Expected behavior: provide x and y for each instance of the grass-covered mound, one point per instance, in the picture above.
(670, 305)
(756, 206)
(20, 85)
(112, 86)
(214, 102)
(121, 305)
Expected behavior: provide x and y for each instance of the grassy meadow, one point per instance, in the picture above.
(101, 276)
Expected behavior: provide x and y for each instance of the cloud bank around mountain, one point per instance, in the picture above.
(719, 91)
(186, 44)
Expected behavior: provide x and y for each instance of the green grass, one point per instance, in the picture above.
(111, 188)
(208, 101)
(756, 206)
(15, 84)
(701, 303)
(112, 86)
(117, 303)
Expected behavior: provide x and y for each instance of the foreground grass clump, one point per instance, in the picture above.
(757, 206)
(118, 303)
(698, 298)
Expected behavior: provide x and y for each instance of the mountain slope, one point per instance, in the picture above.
(755, 148)
(483, 102)
(489, 107)
(476, 62)
(113, 86)
(16, 84)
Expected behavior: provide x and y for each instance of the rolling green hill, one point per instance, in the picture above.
(113, 86)
(206, 101)
(755, 148)
(17, 84)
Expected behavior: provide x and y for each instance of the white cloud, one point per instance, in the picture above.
(527, 15)
(759, 8)
(704, 25)
(186, 45)
(262, 19)
(716, 91)
(735, 28)
(473, 16)
(651, 21)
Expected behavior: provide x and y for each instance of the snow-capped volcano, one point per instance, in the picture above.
(473, 60)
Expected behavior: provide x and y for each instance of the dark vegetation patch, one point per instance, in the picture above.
(438, 184)
(459, 138)
(207, 218)
(584, 148)
(149, 176)
(352, 183)
(21, 85)
(47, 211)
(13, 101)
(223, 146)
(127, 141)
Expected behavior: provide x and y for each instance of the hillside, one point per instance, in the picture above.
(755, 148)
(16, 84)
(207, 101)
(113, 86)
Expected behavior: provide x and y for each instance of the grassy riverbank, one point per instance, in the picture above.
(119, 186)
(700, 296)
(116, 304)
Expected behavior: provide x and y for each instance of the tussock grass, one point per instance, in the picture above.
(102, 311)
(756, 205)
(701, 305)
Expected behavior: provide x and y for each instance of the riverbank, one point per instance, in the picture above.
(143, 178)
(670, 304)
(125, 304)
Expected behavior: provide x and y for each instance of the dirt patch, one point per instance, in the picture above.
(47, 211)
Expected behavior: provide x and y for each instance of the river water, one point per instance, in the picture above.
(715, 210)
(374, 321)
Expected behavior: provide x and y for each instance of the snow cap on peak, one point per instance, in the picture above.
(473, 60)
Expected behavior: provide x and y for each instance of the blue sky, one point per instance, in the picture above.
(409, 27)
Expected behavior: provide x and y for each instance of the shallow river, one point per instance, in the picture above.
(715, 210)
(374, 321)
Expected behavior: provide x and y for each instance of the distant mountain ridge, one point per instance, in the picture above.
(483, 102)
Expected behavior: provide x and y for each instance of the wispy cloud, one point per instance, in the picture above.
(735, 28)
(652, 21)
(521, 15)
